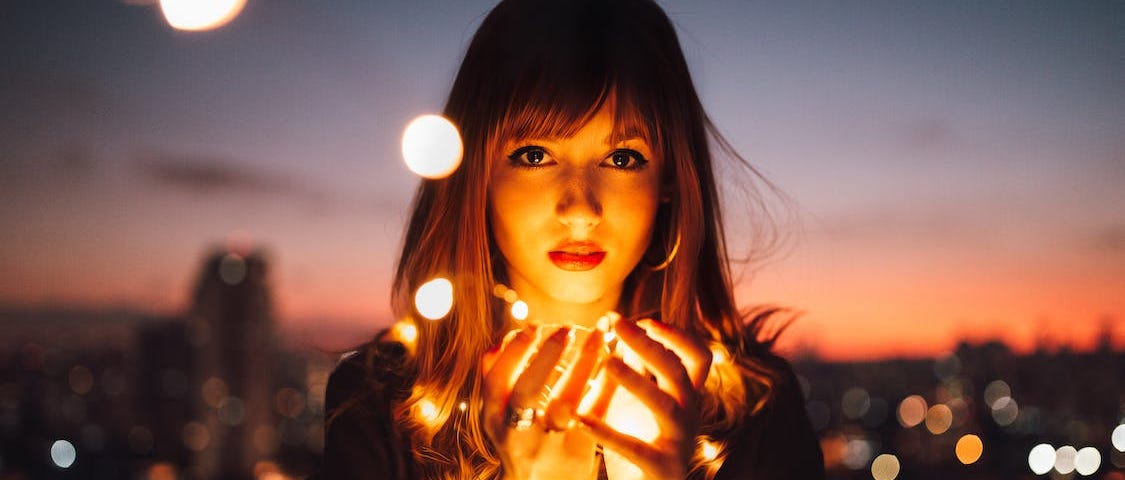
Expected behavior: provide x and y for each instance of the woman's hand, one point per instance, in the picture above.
(526, 418)
(679, 364)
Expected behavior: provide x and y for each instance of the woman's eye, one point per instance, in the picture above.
(626, 159)
(529, 156)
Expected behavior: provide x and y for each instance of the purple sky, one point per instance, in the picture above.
(955, 168)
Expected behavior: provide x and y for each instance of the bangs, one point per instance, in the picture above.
(545, 112)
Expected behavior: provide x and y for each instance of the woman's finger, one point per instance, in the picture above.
(666, 409)
(499, 378)
(531, 383)
(669, 370)
(572, 385)
(638, 452)
(694, 354)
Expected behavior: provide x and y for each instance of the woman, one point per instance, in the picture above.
(586, 187)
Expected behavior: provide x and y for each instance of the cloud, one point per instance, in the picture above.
(203, 174)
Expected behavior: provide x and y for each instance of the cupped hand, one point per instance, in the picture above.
(679, 364)
(518, 377)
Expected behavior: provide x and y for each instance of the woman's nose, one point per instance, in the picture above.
(578, 205)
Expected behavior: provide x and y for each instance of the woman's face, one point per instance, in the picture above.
(573, 216)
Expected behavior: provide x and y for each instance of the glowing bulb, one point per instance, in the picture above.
(708, 450)
(462, 406)
(198, 15)
(885, 467)
(63, 453)
(1041, 458)
(969, 449)
(628, 415)
(432, 146)
(406, 332)
(519, 310)
(718, 355)
(1087, 461)
(428, 411)
(434, 298)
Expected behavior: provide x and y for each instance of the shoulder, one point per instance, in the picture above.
(375, 368)
(776, 441)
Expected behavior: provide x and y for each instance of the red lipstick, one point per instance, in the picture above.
(577, 256)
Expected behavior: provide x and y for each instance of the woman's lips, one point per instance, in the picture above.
(576, 261)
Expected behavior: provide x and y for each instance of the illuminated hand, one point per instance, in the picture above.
(679, 364)
(525, 418)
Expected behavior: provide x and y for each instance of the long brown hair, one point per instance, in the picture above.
(541, 68)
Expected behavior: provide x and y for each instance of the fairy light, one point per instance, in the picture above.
(434, 299)
(431, 147)
(708, 450)
(428, 412)
(198, 15)
(519, 310)
(406, 333)
(462, 406)
(719, 355)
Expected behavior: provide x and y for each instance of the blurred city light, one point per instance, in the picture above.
(1064, 459)
(1087, 461)
(969, 449)
(63, 453)
(885, 467)
(1041, 459)
(911, 411)
(855, 402)
(196, 15)
(938, 419)
(431, 147)
(1118, 438)
(434, 298)
(995, 391)
(1005, 410)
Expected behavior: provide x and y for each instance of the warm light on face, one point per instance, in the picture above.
(434, 299)
(431, 147)
(195, 15)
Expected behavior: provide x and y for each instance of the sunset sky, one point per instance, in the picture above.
(949, 170)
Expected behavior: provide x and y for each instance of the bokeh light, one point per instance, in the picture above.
(1087, 461)
(1005, 411)
(81, 380)
(938, 419)
(431, 146)
(911, 411)
(63, 453)
(969, 449)
(855, 402)
(857, 453)
(885, 467)
(195, 15)
(428, 411)
(996, 390)
(1041, 458)
(1064, 459)
(196, 436)
(519, 310)
(232, 269)
(405, 332)
(1118, 438)
(434, 299)
(160, 471)
(708, 450)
